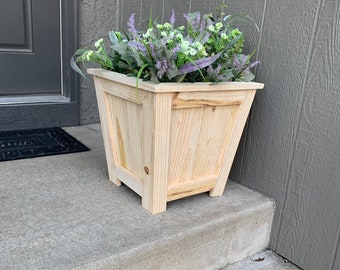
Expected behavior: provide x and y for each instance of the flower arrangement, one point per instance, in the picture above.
(208, 49)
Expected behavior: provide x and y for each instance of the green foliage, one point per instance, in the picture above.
(207, 49)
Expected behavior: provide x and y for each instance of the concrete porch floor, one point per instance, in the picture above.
(62, 212)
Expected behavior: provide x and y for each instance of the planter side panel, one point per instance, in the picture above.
(122, 114)
(206, 128)
(127, 118)
(199, 137)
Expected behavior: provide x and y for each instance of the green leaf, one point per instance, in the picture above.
(242, 17)
(140, 74)
(113, 37)
(150, 17)
(75, 67)
(247, 77)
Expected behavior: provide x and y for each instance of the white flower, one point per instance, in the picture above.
(163, 34)
(218, 25)
(224, 36)
(211, 28)
(148, 33)
(87, 55)
(192, 51)
(167, 26)
(99, 43)
(179, 37)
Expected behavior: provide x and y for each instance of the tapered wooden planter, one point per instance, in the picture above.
(170, 140)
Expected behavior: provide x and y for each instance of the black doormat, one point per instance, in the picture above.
(37, 143)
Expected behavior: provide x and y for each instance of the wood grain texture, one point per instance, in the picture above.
(191, 188)
(107, 131)
(155, 187)
(168, 145)
(131, 180)
(173, 87)
(292, 145)
(233, 140)
(199, 138)
(313, 194)
(264, 162)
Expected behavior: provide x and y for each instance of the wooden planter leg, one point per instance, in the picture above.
(155, 186)
(241, 119)
(107, 130)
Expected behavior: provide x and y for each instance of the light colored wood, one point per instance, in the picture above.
(173, 87)
(191, 188)
(123, 91)
(169, 144)
(203, 99)
(129, 179)
(107, 131)
(155, 187)
(199, 139)
(232, 145)
(127, 118)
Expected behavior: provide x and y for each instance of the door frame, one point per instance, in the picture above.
(43, 111)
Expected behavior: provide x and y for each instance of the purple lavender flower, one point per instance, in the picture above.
(186, 16)
(214, 73)
(196, 23)
(201, 63)
(202, 25)
(176, 49)
(247, 70)
(137, 45)
(162, 67)
(173, 17)
(131, 24)
(153, 51)
(254, 64)
(237, 63)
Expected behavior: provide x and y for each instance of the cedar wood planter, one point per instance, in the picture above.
(171, 140)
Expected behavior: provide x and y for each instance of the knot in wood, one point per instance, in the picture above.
(146, 170)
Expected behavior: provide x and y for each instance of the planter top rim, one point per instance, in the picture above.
(173, 87)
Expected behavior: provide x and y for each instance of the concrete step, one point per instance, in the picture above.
(265, 260)
(61, 212)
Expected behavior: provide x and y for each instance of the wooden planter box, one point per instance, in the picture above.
(171, 140)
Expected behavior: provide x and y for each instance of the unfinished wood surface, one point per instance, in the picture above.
(169, 145)
(193, 187)
(174, 87)
(198, 141)
(203, 99)
(129, 179)
(155, 187)
(234, 140)
(125, 92)
(127, 118)
(107, 130)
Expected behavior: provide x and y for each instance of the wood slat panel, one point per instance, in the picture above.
(128, 120)
(203, 99)
(173, 87)
(191, 188)
(129, 179)
(199, 138)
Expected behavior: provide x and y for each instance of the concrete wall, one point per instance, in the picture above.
(291, 146)
(97, 18)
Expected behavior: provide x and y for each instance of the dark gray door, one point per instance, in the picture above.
(37, 87)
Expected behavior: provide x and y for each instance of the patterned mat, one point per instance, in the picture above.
(36, 143)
